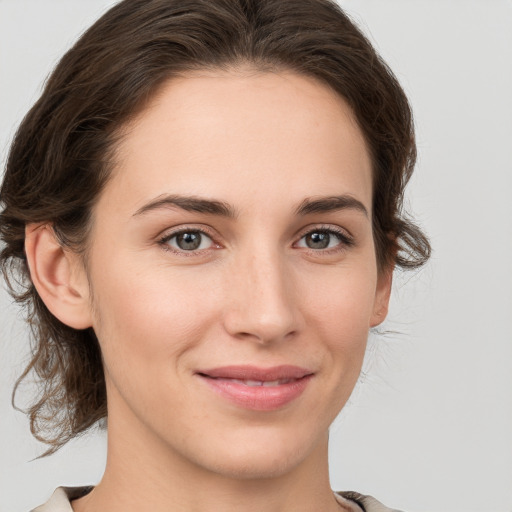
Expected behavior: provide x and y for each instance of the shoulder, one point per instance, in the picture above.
(60, 500)
(355, 502)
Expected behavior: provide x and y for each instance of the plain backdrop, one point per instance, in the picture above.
(429, 428)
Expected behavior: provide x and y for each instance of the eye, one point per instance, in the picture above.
(188, 241)
(324, 239)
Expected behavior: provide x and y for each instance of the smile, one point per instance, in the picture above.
(266, 383)
(258, 389)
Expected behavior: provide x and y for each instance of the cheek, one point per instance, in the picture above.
(147, 326)
(343, 300)
(150, 316)
(339, 313)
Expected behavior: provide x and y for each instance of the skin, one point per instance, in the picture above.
(253, 293)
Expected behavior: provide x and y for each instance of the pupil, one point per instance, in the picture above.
(318, 240)
(188, 241)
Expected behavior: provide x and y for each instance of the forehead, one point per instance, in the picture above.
(220, 133)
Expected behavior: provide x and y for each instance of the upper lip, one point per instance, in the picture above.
(255, 373)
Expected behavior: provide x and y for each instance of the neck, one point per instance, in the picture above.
(142, 473)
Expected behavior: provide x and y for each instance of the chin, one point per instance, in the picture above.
(257, 467)
(261, 456)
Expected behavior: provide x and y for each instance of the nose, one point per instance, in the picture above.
(262, 304)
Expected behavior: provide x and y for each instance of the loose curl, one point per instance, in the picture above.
(61, 155)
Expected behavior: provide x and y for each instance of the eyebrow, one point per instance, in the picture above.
(222, 209)
(190, 204)
(330, 204)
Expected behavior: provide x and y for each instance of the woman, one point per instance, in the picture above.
(204, 207)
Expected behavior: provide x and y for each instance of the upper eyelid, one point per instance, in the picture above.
(345, 238)
(166, 237)
(171, 232)
(325, 227)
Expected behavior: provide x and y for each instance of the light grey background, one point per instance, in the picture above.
(430, 427)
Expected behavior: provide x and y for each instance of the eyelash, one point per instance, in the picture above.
(164, 241)
(345, 240)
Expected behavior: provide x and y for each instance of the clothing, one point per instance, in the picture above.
(349, 501)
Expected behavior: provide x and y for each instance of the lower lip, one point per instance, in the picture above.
(258, 398)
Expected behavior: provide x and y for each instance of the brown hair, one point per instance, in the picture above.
(59, 159)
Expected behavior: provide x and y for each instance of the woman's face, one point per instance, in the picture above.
(233, 272)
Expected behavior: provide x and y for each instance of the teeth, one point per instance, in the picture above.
(255, 383)
(251, 383)
(275, 382)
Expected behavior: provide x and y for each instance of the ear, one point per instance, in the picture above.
(382, 295)
(58, 275)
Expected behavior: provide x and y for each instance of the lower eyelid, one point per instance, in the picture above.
(165, 239)
(344, 238)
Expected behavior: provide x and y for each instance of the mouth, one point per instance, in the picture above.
(255, 383)
(259, 389)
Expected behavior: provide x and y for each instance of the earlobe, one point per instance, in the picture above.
(58, 276)
(382, 296)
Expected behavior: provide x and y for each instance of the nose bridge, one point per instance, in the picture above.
(263, 304)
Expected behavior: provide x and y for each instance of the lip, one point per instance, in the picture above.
(258, 389)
